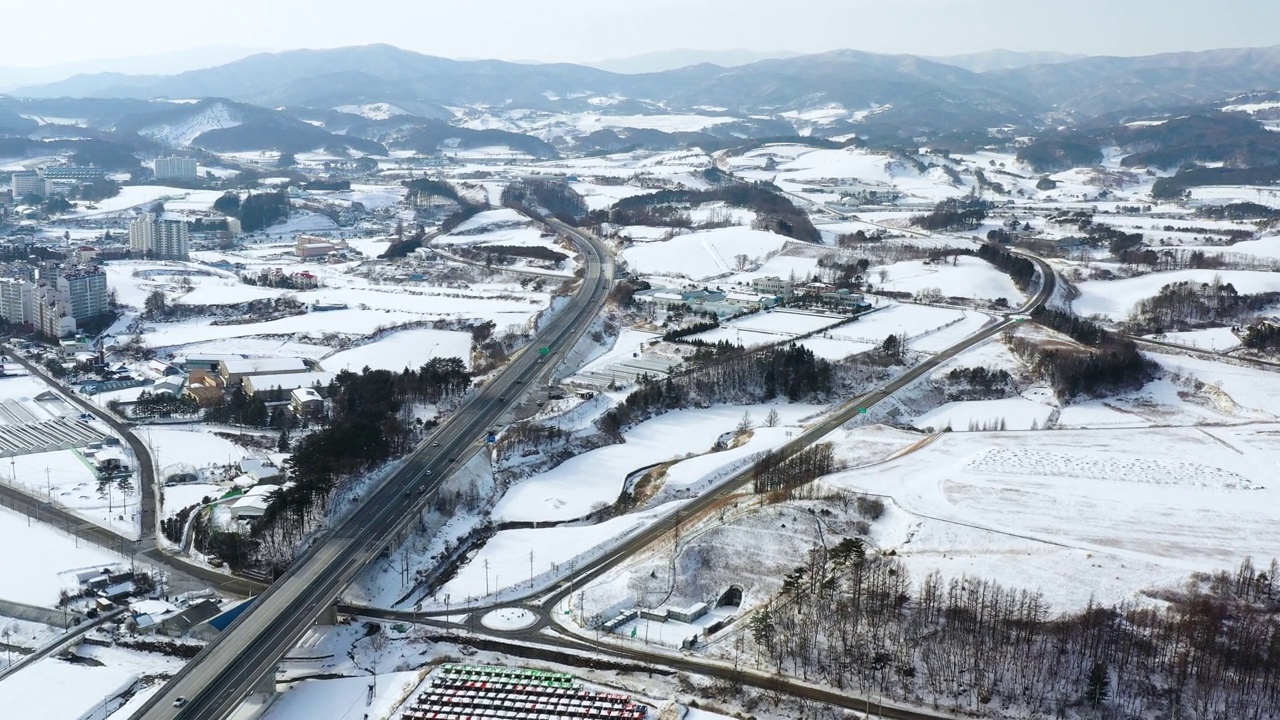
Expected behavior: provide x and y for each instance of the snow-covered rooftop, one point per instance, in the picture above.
(264, 366)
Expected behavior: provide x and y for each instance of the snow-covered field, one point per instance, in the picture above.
(781, 266)
(1005, 414)
(33, 692)
(594, 479)
(628, 343)
(513, 558)
(1221, 194)
(928, 329)
(407, 348)
(184, 495)
(800, 167)
(345, 698)
(771, 327)
(198, 447)
(703, 255)
(970, 277)
(36, 578)
(1116, 511)
(371, 306)
(143, 196)
(1245, 387)
(1115, 299)
(1217, 339)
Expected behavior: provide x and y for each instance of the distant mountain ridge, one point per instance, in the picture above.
(987, 61)
(372, 97)
(664, 60)
(170, 62)
(998, 85)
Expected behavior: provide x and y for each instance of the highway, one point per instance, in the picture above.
(217, 679)
(215, 682)
(546, 601)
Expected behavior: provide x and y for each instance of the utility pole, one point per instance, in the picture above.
(530, 568)
(486, 576)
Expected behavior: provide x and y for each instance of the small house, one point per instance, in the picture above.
(169, 386)
(259, 470)
(163, 369)
(306, 402)
(204, 395)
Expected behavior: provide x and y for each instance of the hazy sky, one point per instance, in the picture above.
(65, 31)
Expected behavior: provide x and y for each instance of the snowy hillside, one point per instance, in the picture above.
(373, 111)
(181, 134)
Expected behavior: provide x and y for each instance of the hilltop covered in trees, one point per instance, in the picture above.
(670, 208)
(369, 425)
(855, 620)
(538, 197)
(790, 371)
(1019, 269)
(954, 215)
(1107, 365)
(256, 211)
(1185, 305)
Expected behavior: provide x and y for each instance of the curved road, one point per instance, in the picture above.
(546, 600)
(815, 433)
(216, 680)
(195, 575)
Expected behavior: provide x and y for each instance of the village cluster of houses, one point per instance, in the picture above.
(258, 480)
(290, 381)
(201, 615)
(207, 378)
(764, 293)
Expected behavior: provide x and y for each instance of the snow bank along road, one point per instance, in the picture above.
(546, 603)
(216, 680)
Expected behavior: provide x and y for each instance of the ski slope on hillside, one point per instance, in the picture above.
(181, 134)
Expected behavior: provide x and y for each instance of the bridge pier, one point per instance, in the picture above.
(329, 616)
(266, 685)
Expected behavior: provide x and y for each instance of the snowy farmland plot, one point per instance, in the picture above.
(798, 168)
(704, 255)
(370, 306)
(342, 698)
(37, 578)
(1121, 511)
(769, 328)
(1004, 414)
(517, 558)
(404, 349)
(927, 329)
(1116, 299)
(969, 277)
(593, 480)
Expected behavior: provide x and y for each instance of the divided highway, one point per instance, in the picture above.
(215, 681)
(546, 601)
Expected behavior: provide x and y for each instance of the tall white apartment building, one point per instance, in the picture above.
(174, 168)
(152, 237)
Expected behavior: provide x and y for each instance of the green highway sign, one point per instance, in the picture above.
(544, 351)
(862, 411)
